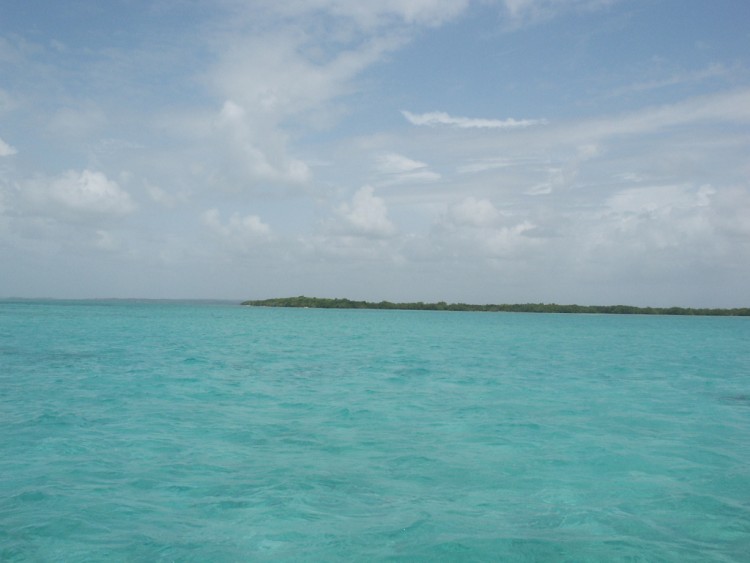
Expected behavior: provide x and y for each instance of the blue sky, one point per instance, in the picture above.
(570, 151)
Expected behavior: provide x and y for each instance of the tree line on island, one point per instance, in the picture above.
(327, 303)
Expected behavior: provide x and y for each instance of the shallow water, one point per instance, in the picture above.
(212, 432)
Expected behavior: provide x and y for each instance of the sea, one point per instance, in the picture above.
(202, 431)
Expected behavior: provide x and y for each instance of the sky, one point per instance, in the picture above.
(478, 151)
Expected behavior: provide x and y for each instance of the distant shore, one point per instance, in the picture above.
(326, 303)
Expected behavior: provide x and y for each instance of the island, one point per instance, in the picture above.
(338, 303)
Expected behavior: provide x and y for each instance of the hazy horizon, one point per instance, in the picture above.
(230, 301)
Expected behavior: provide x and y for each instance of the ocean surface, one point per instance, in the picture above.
(173, 431)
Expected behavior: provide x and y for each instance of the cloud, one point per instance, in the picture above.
(725, 107)
(260, 156)
(239, 234)
(165, 198)
(533, 11)
(657, 201)
(729, 214)
(676, 78)
(399, 169)
(244, 229)
(392, 163)
(474, 212)
(366, 215)
(679, 235)
(484, 164)
(278, 75)
(438, 118)
(276, 85)
(564, 175)
(77, 122)
(368, 15)
(106, 241)
(85, 193)
(475, 229)
(6, 149)
(365, 14)
(358, 232)
(661, 217)
(7, 102)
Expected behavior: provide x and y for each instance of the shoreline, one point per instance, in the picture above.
(338, 303)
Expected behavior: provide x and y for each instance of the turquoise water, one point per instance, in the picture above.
(212, 432)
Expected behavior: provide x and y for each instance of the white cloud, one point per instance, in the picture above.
(359, 232)
(564, 174)
(238, 235)
(475, 229)
(399, 169)
(106, 241)
(163, 197)
(659, 200)
(655, 233)
(285, 73)
(77, 122)
(676, 78)
(392, 163)
(366, 215)
(730, 215)
(276, 84)
(366, 14)
(7, 103)
(474, 212)
(484, 164)
(531, 11)
(79, 193)
(662, 217)
(6, 149)
(509, 240)
(731, 107)
(516, 7)
(245, 229)
(438, 118)
(259, 152)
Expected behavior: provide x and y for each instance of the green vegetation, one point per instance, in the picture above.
(323, 303)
